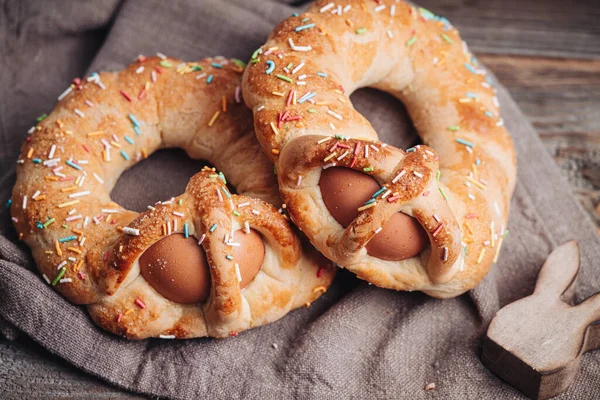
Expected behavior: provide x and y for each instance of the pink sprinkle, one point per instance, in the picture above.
(438, 229)
(67, 178)
(238, 90)
(393, 198)
(119, 317)
(426, 193)
(85, 148)
(289, 99)
(333, 147)
(142, 94)
(472, 215)
(343, 146)
(357, 149)
(106, 255)
(81, 275)
(140, 303)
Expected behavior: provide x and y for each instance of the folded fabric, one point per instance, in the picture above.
(357, 341)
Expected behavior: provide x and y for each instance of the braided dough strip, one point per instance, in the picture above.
(320, 58)
(88, 246)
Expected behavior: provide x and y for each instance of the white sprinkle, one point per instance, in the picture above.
(246, 227)
(344, 154)
(495, 101)
(429, 152)
(52, 162)
(107, 154)
(241, 205)
(153, 75)
(327, 7)
(347, 8)
(366, 151)
(76, 111)
(255, 212)
(139, 70)
(82, 241)
(299, 66)
(52, 150)
(201, 239)
(445, 254)
(260, 108)
(496, 208)
(81, 180)
(174, 225)
(36, 194)
(301, 83)
(109, 211)
(202, 75)
(86, 221)
(161, 56)
(379, 8)
(65, 93)
(66, 280)
(374, 148)
(390, 34)
(219, 195)
(435, 60)
(378, 230)
(471, 196)
(334, 114)
(62, 264)
(500, 122)
(417, 174)
(46, 278)
(437, 219)
(298, 48)
(302, 77)
(166, 336)
(179, 214)
(73, 218)
(329, 165)
(131, 231)
(400, 175)
(237, 96)
(24, 202)
(89, 103)
(392, 10)
(98, 178)
(299, 181)
(237, 272)
(233, 244)
(168, 227)
(79, 194)
(151, 208)
(386, 194)
(332, 126)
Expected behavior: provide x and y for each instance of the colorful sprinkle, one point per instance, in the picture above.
(271, 66)
(465, 142)
(61, 273)
(303, 27)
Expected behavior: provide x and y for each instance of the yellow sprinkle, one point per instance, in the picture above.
(224, 103)
(147, 86)
(214, 118)
(51, 178)
(294, 98)
(465, 100)
(320, 289)
(144, 153)
(275, 151)
(469, 227)
(74, 250)
(338, 91)
(109, 218)
(69, 189)
(329, 157)
(57, 246)
(341, 99)
(69, 132)
(480, 258)
(21, 236)
(473, 181)
(278, 94)
(49, 252)
(367, 206)
(68, 203)
(164, 229)
(498, 248)
(117, 145)
(30, 152)
(322, 103)
(128, 311)
(274, 128)
(95, 133)
(475, 172)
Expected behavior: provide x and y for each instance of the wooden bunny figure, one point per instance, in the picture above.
(536, 343)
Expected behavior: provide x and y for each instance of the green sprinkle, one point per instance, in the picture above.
(67, 239)
(237, 214)
(312, 110)
(290, 65)
(369, 169)
(64, 226)
(165, 64)
(256, 53)
(322, 74)
(255, 60)
(128, 139)
(41, 117)
(61, 273)
(411, 150)
(443, 194)
(505, 233)
(437, 175)
(465, 142)
(426, 13)
(360, 31)
(213, 176)
(239, 63)
(447, 38)
(186, 230)
(212, 228)
(125, 155)
(411, 41)
(197, 68)
(370, 201)
(304, 19)
(180, 202)
(284, 78)
(222, 177)
(49, 222)
(453, 128)
(229, 257)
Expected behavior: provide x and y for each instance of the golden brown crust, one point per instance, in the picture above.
(88, 247)
(310, 65)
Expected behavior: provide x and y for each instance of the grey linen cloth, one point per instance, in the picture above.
(357, 341)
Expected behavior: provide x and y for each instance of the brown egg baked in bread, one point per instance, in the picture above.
(205, 263)
(431, 218)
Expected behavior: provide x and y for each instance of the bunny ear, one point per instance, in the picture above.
(559, 271)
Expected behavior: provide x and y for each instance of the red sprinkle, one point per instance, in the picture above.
(124, 93)
(142, 94)
(28, 139)
(320, 272)
(233, 333)
(81, 275)
(140, 303)
(141, 58)
(353, 161)
(85, 148)
(472, 215)
(333, 147)
(289, 99)
(119, 317)
(158, 70)
(438, 229)
(106, 255)
(76, 81)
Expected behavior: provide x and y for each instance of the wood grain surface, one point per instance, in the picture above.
(546, 52)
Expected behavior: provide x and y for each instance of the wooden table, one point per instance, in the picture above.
(547, 54)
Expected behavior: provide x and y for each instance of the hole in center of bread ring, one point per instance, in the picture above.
(177, 268)
(344, 190)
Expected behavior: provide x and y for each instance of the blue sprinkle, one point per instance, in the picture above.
(125, 155)
(411, 150)
(222, 177)
(377, 193)
(322, 74)
(128, 139)
(470, 68)
(229, 257)
(472, 95)
(216, 65)
(137, 130)
(186, 230)
(67, 239)
(209, 79)
(226, 192)
(295, 14)
(307, 96)
(370, 202)
(303, 27)
(477, 162)
(489, 114)
(36, 160)
(39, 225)
(465, 142)
(9, 202)
(134, 120)
(72, 164)
(212, 228)
(489, 80)
(271, 67)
